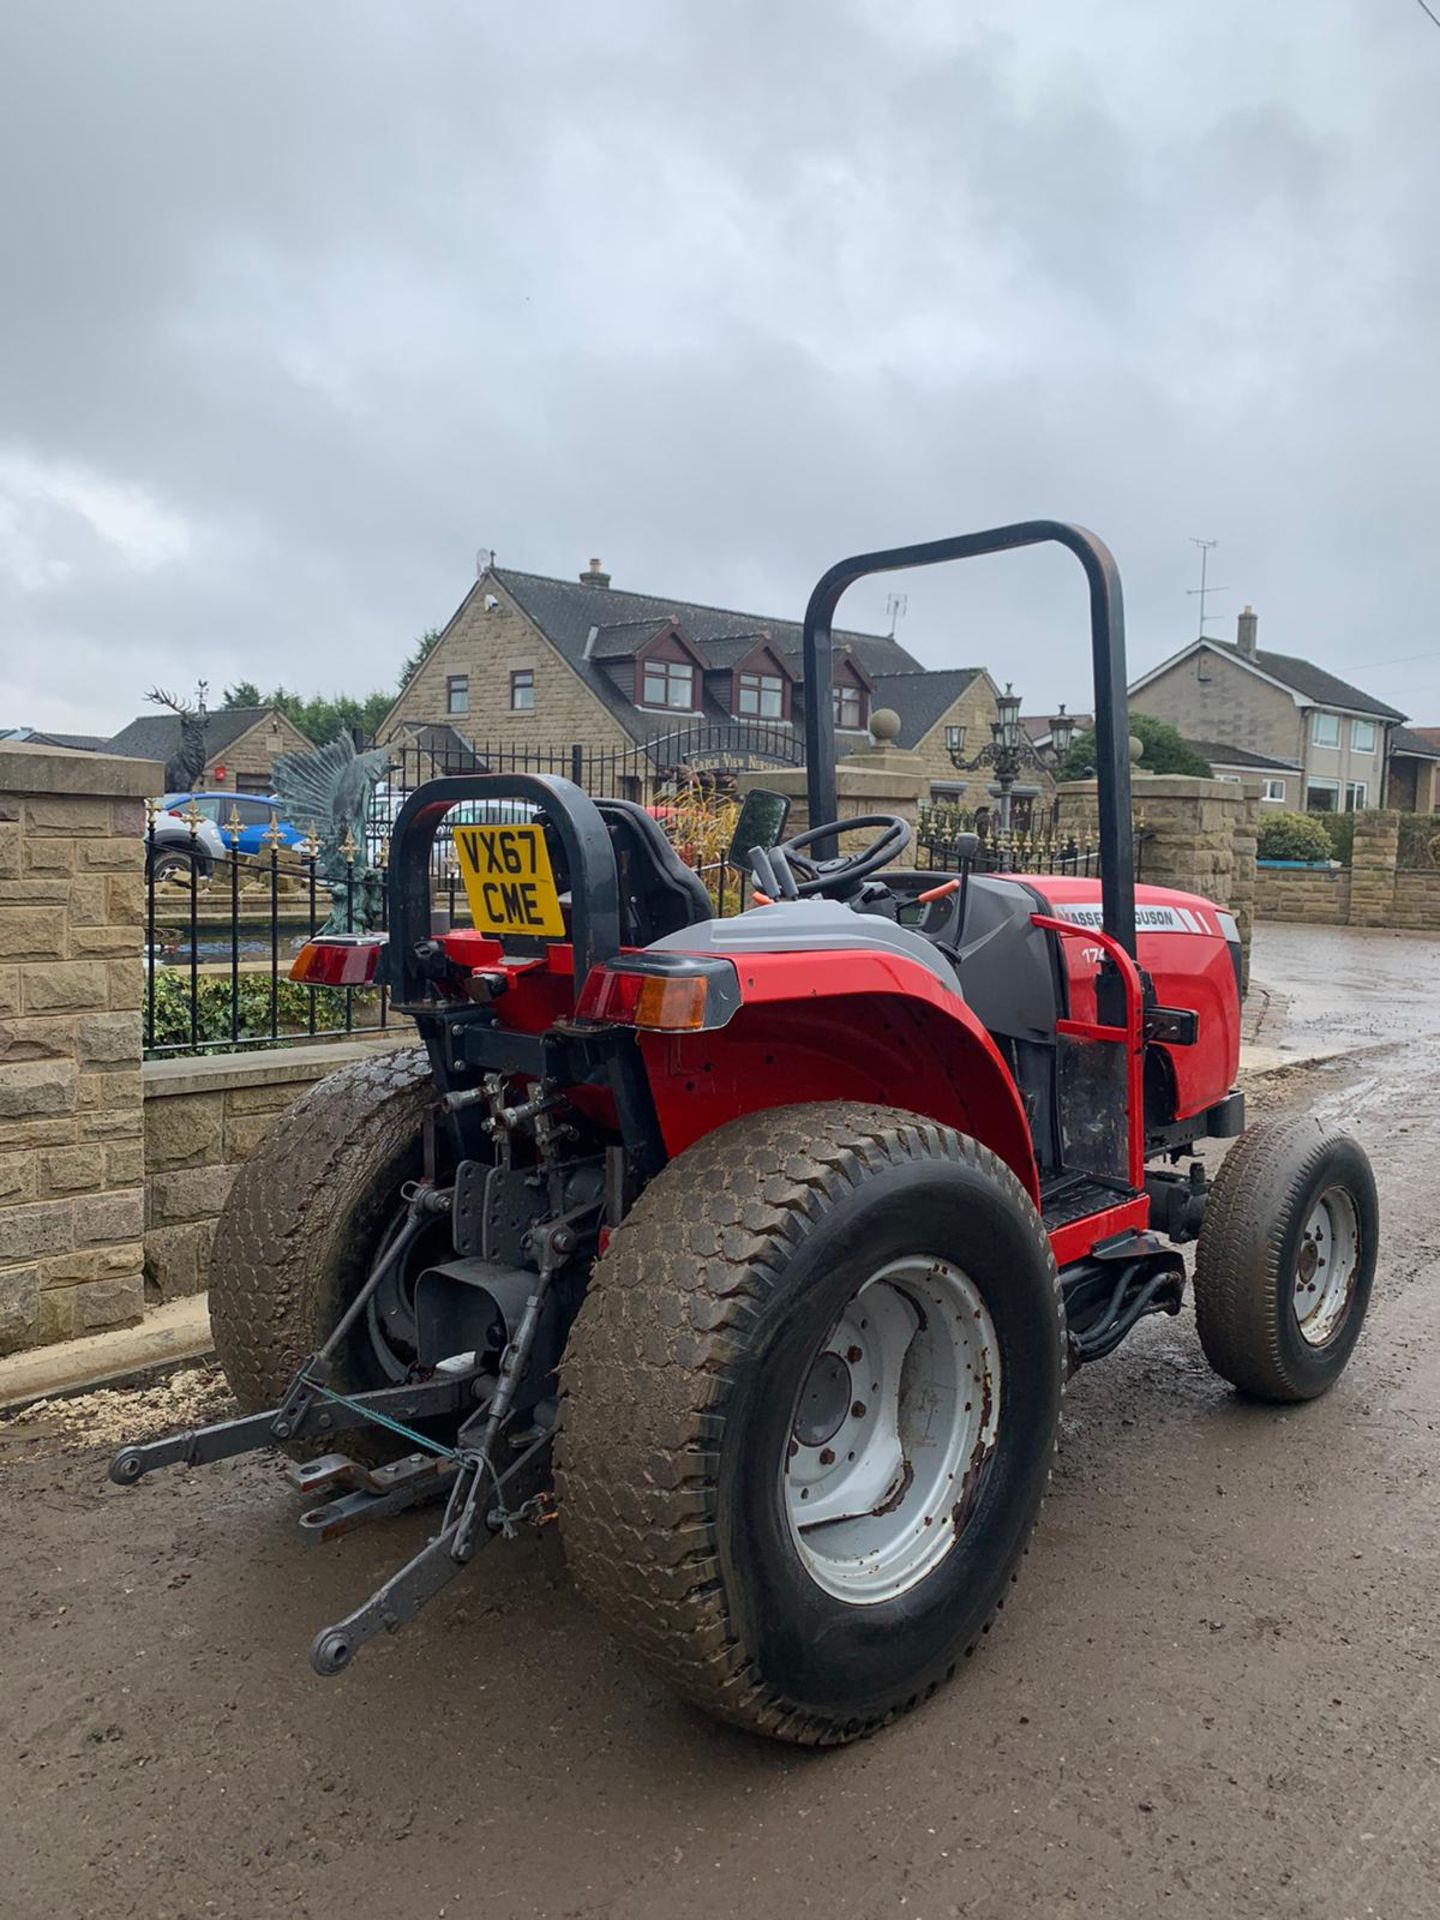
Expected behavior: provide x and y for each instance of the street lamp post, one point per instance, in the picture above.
(1009, 751)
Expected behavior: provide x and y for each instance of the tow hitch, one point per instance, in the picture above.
(491, 1478)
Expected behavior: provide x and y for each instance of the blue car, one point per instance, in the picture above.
(255, 811)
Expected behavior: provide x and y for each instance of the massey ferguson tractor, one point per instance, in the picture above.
(755, 1252)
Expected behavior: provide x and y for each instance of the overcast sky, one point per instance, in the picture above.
(302, 305)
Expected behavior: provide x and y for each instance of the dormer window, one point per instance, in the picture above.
(761, 696)
(668, 683)
(849, 708)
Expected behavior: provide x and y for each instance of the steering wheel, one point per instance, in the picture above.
(845, 869)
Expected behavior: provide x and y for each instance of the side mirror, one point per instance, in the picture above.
(761, 824)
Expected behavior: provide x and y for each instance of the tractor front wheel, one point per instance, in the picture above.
(810, 1409)
(1286, 1259)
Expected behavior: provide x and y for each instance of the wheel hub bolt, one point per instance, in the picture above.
(827, 1456)
(857, 1412)
(853, 1355)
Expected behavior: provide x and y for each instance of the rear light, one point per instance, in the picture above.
(669, 993)
(339, 960)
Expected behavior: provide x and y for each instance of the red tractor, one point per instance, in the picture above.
(756, 1251)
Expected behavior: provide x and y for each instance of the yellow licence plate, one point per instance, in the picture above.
(509, 881)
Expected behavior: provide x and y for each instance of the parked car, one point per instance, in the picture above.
(172, 851)
(255, 810)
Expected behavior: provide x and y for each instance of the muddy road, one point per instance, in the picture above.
(1216, 1689)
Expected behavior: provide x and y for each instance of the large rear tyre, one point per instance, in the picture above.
(1286, 1259)
(809, 1413)
(304, 1222)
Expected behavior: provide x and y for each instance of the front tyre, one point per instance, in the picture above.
(810, 1408)
(1286, 1259)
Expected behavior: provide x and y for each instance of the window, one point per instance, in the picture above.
(1325, 729)
(668, 683)
(1273, 790)
(1362, 736)
(253, 813)
(522, 691)
(1233, 778)
(1356, 793)
(849, 708)
(761, 696)
(1322, 796)
(252, 783)
(954, 739)
(457, 693)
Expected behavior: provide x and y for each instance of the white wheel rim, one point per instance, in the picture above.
(894, 1423)
(1325, 1267)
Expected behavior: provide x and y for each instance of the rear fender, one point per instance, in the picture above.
(855, 1025)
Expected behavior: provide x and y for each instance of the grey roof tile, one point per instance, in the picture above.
(1311, 682)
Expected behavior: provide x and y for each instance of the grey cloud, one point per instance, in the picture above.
(720, 293)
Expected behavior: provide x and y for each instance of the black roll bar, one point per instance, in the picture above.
(1107, 646)
(589, 856)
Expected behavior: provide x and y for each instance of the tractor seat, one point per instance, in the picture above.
(659, 894)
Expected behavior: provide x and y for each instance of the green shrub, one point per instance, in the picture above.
(1294, 836)
(1164, 751)
(1340, 828)
(1419, 840)
(212, 1008)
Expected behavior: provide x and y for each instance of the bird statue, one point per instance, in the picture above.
(185, 766)
(326, 793)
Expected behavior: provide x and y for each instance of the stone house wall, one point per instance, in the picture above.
(488, 645)
(253, 754)
(975, 710)
(1231, 704)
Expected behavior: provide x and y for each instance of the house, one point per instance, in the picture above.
(37, 737)
(241, 745)
(1414, 783)
(1279, 779)
(1240, 698)
(528, 660)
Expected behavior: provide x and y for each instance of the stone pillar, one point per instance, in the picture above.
(1198, 836)
(72, 912)
(1242, 883)
(880, 778)
(1373, 860)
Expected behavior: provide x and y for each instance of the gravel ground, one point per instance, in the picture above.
(1214, 1692)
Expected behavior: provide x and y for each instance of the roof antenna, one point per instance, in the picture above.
(1203, 588)
(484, 560)
(895, 605)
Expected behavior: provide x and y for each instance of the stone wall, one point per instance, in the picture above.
(1315, 894)
(1372, 892)
(71, 1147)
(203, 1118)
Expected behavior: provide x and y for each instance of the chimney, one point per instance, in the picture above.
(593, 576)
(1245, 626)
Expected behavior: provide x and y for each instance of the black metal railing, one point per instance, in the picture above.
(1036, 848)
(224, 919)
(222, 927)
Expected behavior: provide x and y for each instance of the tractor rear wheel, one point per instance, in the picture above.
(809, 1412)
(302, 1227)
(1286, 1259)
